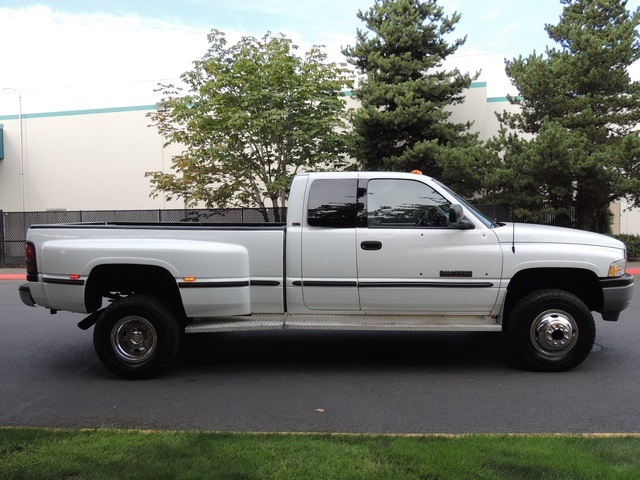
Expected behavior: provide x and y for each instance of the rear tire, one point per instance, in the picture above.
(137, 337)
(551, 330)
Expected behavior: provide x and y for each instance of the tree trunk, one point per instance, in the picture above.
(276, 210)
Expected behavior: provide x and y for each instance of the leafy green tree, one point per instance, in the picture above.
(403, 123)
(255, 115)
(575, 138)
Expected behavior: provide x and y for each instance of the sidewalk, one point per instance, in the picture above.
(19, 274)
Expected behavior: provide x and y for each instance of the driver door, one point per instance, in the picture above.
(410, 260)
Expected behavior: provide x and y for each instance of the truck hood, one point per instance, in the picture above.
(533, 233)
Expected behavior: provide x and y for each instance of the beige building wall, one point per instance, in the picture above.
(628, 218)
(82, 160)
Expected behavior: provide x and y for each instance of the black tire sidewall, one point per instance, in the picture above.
(155, 312)
(524, 313)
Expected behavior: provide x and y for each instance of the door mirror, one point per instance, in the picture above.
(457, 220)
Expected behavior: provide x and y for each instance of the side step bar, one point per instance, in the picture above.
(345, 322)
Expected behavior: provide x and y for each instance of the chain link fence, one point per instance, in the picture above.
(14, 225)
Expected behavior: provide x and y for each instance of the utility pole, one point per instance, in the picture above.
(21, 143)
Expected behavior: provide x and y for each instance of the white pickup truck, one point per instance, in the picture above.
(359, 251)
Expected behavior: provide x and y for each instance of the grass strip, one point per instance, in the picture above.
(27, 453)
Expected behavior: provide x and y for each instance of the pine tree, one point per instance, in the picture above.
(578, 96)
(403, 123)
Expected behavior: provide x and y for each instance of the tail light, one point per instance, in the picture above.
(32, 267)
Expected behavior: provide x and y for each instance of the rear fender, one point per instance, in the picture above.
(212, 277)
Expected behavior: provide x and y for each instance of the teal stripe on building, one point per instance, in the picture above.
(92, 111)
(150, 108)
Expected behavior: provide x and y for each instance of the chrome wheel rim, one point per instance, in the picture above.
(134, 339)
(554, 333)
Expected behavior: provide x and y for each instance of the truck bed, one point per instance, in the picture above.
(74, 248)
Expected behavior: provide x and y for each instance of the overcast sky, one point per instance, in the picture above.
(83, 54)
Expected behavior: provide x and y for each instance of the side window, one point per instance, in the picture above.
(405, 203)
(332, 203)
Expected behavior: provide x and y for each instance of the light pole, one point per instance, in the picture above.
(21, 143)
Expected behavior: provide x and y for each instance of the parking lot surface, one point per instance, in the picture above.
(316, 381)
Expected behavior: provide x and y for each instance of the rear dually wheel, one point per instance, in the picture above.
(137, 337)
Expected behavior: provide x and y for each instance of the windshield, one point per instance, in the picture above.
(479, 215)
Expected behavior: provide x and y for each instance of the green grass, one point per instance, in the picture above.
(112, 454)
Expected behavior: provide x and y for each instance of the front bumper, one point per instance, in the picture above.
(25, 295)
(617, 293)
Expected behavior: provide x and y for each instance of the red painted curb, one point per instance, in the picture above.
(13, 276)
(633, 271)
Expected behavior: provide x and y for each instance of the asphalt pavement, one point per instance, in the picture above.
(292, 381)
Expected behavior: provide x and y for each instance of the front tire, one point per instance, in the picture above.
(551, 330)
(137, 337)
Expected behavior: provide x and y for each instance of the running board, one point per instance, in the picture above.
(345, 322)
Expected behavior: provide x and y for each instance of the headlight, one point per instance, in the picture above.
(617, 268)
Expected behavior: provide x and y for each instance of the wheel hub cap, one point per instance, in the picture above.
(134, 339)
(554, 333)
(137, 338)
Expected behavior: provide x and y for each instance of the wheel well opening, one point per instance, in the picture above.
(581, 283)
(117, 280)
